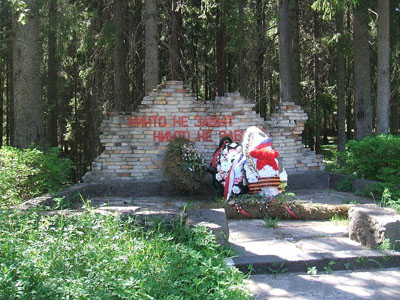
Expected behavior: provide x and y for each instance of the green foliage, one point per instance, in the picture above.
(271, 222)
(184, 165)
(278, 268)
(312, 270)
(385, 245)
(329, 7)
(338, 220)
(328, 268)
(27, 173)
(91, 256)
(375, 158)
(346, 185)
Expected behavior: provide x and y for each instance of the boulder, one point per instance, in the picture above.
(372, 225)
(213, 219)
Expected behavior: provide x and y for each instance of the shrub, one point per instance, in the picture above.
(375, 158)
(346, 185)
(184, 165)
(27, 173)
(92, 256)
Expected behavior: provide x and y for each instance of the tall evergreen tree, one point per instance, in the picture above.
(284, 51)
(52, 111)
(151, 65)
(120, 54)
(362, 73)
(28, 103)
(221, 48)
(340, 78)
(383, 89)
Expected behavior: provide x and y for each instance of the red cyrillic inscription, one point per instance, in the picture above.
(166, 136)
(235, 135)
(204, 136)
(180, 121)
(213, 121)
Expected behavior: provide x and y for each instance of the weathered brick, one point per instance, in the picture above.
(134, 148)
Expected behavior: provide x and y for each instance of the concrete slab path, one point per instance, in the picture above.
(341, 285)
(294, 246)
(328, 196)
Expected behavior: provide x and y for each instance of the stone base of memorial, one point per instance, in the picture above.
(372, 225)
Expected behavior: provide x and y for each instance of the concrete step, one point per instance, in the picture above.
(321, 261)
(142, 209)
(296, 246)
(343, 285)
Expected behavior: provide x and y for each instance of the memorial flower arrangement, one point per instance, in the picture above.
(184, 165)
(193, 160)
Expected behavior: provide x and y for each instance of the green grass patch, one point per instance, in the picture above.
(339, 220)
(91, 256)
(271, 222)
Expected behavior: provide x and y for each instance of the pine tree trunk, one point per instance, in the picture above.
(151, 64)
(261, 96)
(340, 77)
(242, 74)
(220, 48)
(383, 88)
(284, 51)
(138, 53)
(362, 77)
(295, 50)
(2, 94)
(317, 86)
(174, 33)
(52, 109)
(120, 54)
(28, 104)
(10, 97)
(349, 87)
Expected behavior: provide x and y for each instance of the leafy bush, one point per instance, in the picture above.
(184, 165)
(346, 185)
(375, 158)
(30, 172)
(92, 256)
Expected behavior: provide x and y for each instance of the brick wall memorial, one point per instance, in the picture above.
(134, 143)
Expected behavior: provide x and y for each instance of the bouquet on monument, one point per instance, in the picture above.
(183, 165)
(193, 160)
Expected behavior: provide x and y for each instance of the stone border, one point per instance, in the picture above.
(358, 184)
(146, 188)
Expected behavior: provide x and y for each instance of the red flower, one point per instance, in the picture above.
(265, 157)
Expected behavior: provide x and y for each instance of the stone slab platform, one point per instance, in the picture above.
(327, 196)
(296, 245)
(344, 285)
(213, 219)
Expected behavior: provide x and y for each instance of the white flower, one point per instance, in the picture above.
(283, 175)
(218, 177)
(225, 166)
(267, 171)
(236, 190)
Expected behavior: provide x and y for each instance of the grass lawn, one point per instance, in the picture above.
(91, 256)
